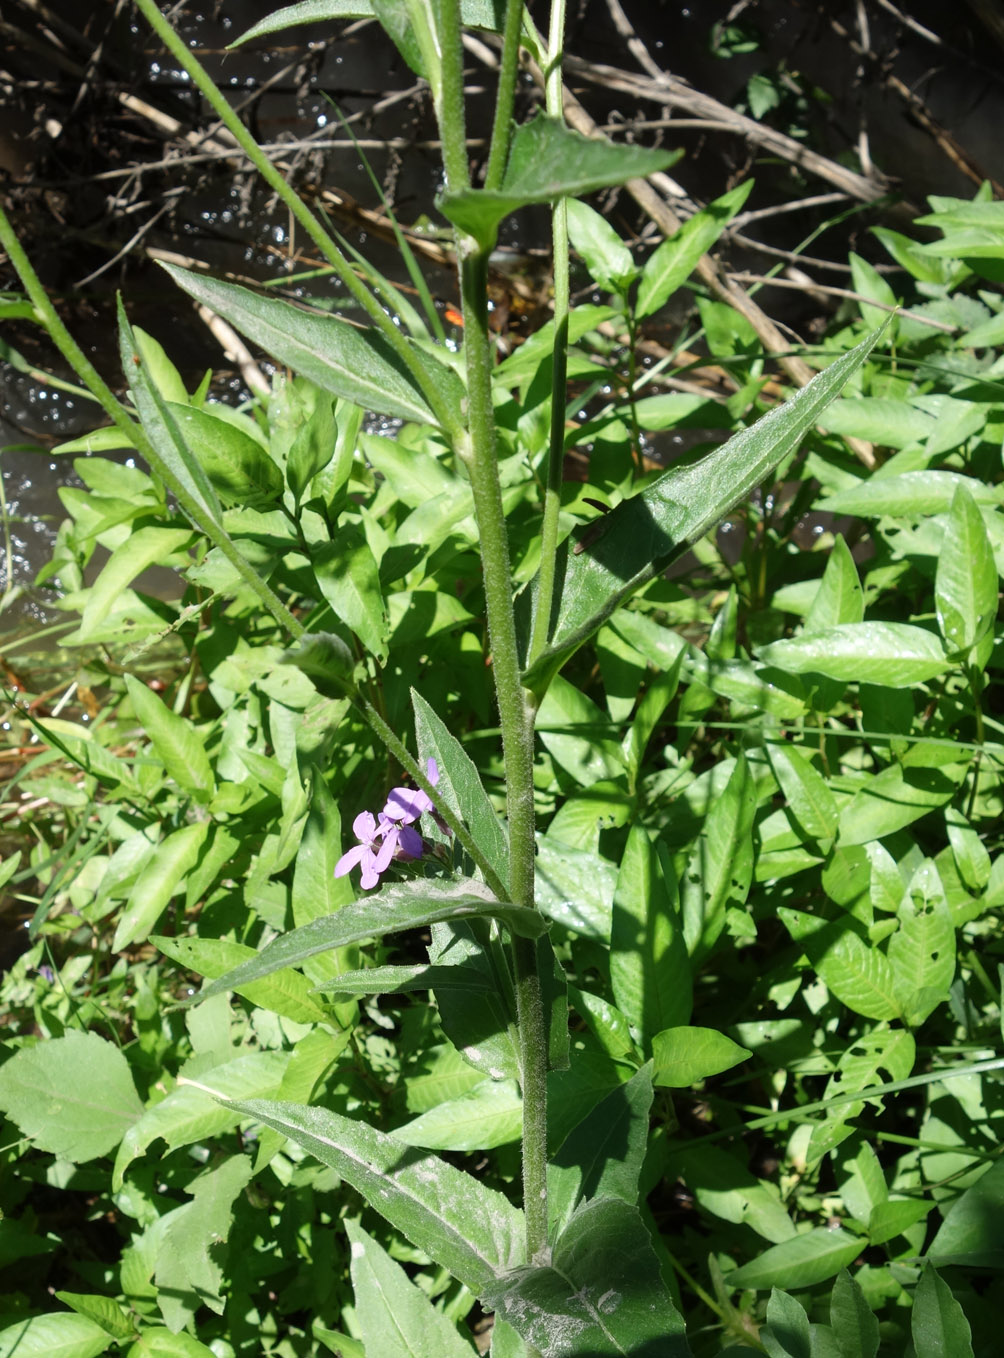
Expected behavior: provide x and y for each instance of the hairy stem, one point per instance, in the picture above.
(498, 154)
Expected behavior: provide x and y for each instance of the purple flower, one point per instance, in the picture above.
(406, 804)
(379, 843)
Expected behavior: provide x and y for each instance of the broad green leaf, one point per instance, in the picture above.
(313, 447)
(163, 1343)
(575, 888)
(724, 1187)
(191, 1262)
(602, 1292)
(62, 1334)
(358, 365)
(160, 425)
(411, 905)
(806, 792)
(396, 1318)
(889, 1219)
(143, 547)
(649, 964)
(922, 950)
(163, 874)
(885, 1055)
(349, 579)
(325, 659)
(800, 1262)
(109, 1314)
(965, 586)
(892, 653)
(285, 992)
(547, 161)
(607, 258)
(460, 786)
(840, 597)
(189, 1114)
(895, 798)
(312, 1059)
(675, 259)
(72, 1095)
(178, 743)
(938, 1323)
(908, 495)
(489, 1115)
(480, 1025)
(686, 1056)
(606, 1023)
(238, 467)
(317, 892)
(786, 1334)
(470, 1229)
(602, 1155)
(972, 1233)
(474, 13)
(892, 423)
(745, 684)
(968, 850)
(578, 735)
(860, 976)
(640, 537)
(402, 980)
(854, 1324)
(719, 867)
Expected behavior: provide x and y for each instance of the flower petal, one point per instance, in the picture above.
(409, 843)
(348, 860)
(364, 827)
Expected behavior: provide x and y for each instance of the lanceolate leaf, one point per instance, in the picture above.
(395, 1316)
(175, 740)
(460, 785)
(801, 1261)
(602, 1293)
(649, 966)
(356, 364)
(640, 537)
(470, 1229)
(674, 260)
(548, 161)
(602, 1155)
(720, 865)
(399, 980)
(474, 13)
(965, 587)
(891, 653)
(938, 1323)
(411, 905)
(908, 495)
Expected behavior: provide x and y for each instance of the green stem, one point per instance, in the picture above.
(450, 112)
(559, 363)
(556, 452)
(135, 433)
(498, 155)
(310, 224)
(516, 722)
(974, 677)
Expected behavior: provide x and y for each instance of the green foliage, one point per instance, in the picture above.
(767, 801)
